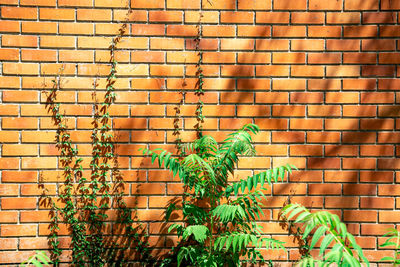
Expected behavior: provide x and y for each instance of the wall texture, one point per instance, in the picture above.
(318, 76)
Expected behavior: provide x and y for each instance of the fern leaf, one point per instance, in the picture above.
(200, 232)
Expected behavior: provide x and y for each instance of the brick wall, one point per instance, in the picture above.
(319, 78)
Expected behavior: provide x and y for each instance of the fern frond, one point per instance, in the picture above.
(261, 178)
(165, 159)
(328, 228)
(228, 213)
(194, 163)
(199, 232)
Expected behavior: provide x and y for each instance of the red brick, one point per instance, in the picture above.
(254, 5)
(324, 31)
(288, 137)
(253, 31)
(218, 30)
(389, 31)
(323, 163)
(324, 58)
(343, 45)
(359, 111)
(272, 70)
(373, 98)
(359, 58)
(325, 111)
(19, 230)
(288, 31)
(378, 17)
(359, 216)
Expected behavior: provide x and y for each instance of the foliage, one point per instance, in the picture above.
(219, 225)
(328, 229)
(392, 240)
(85, 201)
(38, 259)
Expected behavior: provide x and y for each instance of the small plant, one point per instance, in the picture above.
(219, 227)
(38, 259)
(393, 240)
(330, 230)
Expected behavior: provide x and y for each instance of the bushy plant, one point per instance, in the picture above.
(327, 228)
(219, 217)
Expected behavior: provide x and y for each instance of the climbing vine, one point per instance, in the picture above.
(82, 203)
(199, 91)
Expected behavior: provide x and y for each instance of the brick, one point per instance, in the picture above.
(373, 98)
(18, 230)
(18, 203)
(292, 5)
(58, 14)
(208, 16)
(237, 44)
(219, 5)
(306, 124)
(343, 45)
(359, 189)
(388, 71)
(272, 45)
(23, 150)
(359, 111)
(297, 84)
(19, 12)
(166, 43)
(93, 15)
(254, 5)
(273, 70)
(389, 5)
(378, 17)
(329, 5)
(305, 150)
(307, 45)
(325, 111)
(389, 31)
(324, 189)
(181, 4)
(324, 58)
(288, 137)
(307, 71)
(38, 163)
(359, 216)
(76, 3)
(9, 136)
(253, 31)
(238, 70)
(361, 5)
(345, 202)
(57, 41)
(272, 17)
(288, 58)
(288, 110)
(343, 18)
(288, 31)
(181, 30)
(19, 41)
(378, 45)
(359, 58)
(271, 97)
(308, 18)
(9, 243)
(9, 26)
(75, 28)
(298, 97)
(324, 31)
(326, 137)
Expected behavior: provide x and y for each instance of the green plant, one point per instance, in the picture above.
(38, 259)
(219, 227)
(327, 228)
(392, 234)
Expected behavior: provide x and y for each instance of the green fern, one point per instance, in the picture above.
(218, 226)
(329, 230)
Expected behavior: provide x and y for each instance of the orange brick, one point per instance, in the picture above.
(38, 2)
(305, 150)
(288, 110)
(291, 5)
(218, 30)
(271, 97)
(93, 14)
(38, 55)
(182, 4)
(305, 124)
(237, 44)
(219, 5)
(378, 17)
(342, 71)
(76, 3)
(147, 4)
(233, 97)
(39, 163)
(360, 31)
(253, 31)
(19, 41)
(276, 45)
(271, 17)
(236, 17)
(297, 84)
(57, 41)
(21, 68)
(23, 150)
(58, 14)
(343, 18)
(166, 43)
(359, 58)
(382, 71)
(387, 4)
(272, 124)
(111, 3)
(208, 16)
(288, 31)
(373, 97)
(324, 189)
(238, 70)
(181, 30)
(297, 97)
(307, 45)
(345, 202)
(288, 58)
(325, 137)
(19, 12)
(76, 28)
(324, 58)
(9, 82)
(389, 31)
(307, 71)
(308, 18)
(19, 230)
(9, 26)
(360, 216)
(343, 45)
(273, 70)
(18, 203)
(377, 177)
(147, 29)
(359, 111)
(324, 31)
(361, 5)
(254, 5)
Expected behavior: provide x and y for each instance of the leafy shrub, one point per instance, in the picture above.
(219, 227)
(327, 228)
